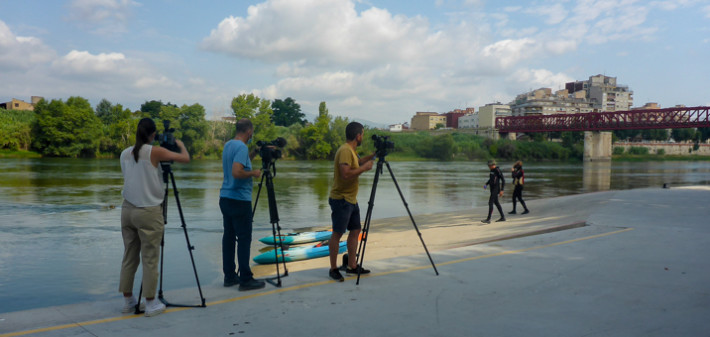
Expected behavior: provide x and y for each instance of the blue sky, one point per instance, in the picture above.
(375, 60)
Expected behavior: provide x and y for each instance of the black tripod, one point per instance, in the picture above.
(368, 217)
(267, 167)
(167, 172)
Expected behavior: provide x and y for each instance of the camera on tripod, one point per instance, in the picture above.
(382, 144)
(270, 151)
(167, 138)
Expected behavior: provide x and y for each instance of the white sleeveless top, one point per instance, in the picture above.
(142, 182)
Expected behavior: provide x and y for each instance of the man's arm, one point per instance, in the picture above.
(348, 172)
(365, 159)
(238, 172)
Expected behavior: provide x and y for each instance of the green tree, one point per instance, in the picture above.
(314, 136)
(655, 134)
(153, 108)
(287, 112)
(681, 135)
(336, 133)
(257, 110)
(68, 129)
(704, 133)
(118, 127)
(193, 128)
(16, 129)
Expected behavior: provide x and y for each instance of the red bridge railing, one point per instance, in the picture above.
(669, 118)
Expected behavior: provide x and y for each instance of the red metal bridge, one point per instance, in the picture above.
(669, 118)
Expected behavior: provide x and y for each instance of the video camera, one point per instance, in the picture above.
(167, 139)
(382, 143)
(270, 151)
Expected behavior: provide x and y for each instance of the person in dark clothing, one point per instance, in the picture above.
(497, 183)
(518, 181)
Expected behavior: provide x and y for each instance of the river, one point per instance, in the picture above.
(60, 239)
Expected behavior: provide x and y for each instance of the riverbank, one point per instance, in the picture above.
(629, 263)
(4, 153)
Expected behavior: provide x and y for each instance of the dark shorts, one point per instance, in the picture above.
(345, 216)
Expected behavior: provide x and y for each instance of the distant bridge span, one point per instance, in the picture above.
(669, 118)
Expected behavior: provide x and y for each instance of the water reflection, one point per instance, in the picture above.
(596, 176)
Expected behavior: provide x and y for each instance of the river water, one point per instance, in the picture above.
(60, 239)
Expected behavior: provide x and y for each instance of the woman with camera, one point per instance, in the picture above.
(142, 222)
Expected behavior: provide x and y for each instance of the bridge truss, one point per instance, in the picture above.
(669, 118)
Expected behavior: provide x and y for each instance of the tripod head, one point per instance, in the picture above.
(382, 144)
(269, 152)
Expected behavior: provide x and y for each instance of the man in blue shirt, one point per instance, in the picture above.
(235, 204)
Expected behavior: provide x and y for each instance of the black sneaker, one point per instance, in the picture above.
(251, 285)
(501, 219)
(229, 283)
(359, 269)
(486, 221)
(526, 212)
(512, 212)
(335, 275)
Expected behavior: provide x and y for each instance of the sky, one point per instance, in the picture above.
(376, 60)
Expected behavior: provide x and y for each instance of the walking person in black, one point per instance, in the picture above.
(518, 181)
(497, 183)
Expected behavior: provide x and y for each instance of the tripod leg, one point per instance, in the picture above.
(275, 227)
(368, 219)
(258, 192)
(411, 217)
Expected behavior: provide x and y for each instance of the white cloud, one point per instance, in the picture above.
(670, 5)
(21, 53)
(323, 32)
(85, 63)
(539, 78)
(102, 16)
(555, 13)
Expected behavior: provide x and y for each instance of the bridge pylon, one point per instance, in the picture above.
(597, 146)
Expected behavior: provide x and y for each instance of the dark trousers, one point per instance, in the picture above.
(237, 221)
(494, 200)
(518, 195)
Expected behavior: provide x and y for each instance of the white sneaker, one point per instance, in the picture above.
(154, 307)
(130, 305)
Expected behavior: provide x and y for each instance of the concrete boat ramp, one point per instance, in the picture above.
(617, 263)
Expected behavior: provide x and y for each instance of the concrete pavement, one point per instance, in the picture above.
(639, 267)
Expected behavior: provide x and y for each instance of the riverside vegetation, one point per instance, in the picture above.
(74, 129)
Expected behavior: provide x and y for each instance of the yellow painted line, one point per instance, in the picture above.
(313, 284)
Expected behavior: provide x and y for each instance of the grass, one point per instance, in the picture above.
(18, 154)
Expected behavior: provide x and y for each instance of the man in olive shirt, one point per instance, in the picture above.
(343, 200)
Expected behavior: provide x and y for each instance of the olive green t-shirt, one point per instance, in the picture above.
(345, 189)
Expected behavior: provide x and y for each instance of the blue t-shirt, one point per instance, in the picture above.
(235, 151)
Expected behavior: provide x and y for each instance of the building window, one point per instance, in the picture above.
(17, 105)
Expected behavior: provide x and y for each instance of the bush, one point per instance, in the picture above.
(618, 150)
(661, 152)
(638, 150)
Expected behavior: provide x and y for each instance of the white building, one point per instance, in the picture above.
(468, 121)
(488, 113)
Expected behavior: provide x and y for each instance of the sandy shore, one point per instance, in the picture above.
(395, 237)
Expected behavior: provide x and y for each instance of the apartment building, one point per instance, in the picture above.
(543, 102)
(604, 93)
(488, 113)
(427, 120)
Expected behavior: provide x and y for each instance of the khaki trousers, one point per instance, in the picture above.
(142, 230)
